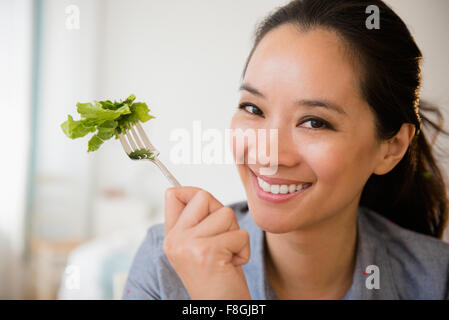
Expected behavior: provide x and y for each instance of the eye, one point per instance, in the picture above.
(316, 123)
(250, 108)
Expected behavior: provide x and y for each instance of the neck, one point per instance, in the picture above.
(314, 263)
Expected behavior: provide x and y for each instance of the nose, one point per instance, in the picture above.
(280, 140)
(288, 151)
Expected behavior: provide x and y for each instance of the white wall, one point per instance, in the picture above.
(67, 74)
(15, 69)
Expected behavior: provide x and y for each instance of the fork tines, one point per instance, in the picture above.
(137, 140)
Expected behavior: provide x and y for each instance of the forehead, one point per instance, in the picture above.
(303, 64)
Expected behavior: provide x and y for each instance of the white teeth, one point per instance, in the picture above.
(264, 185)
(283, 189)
(275, 188)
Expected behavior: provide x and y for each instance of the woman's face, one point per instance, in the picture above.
(305, 85)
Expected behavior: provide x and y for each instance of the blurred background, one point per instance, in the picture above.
(70, 222)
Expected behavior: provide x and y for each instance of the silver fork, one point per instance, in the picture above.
(138, 147)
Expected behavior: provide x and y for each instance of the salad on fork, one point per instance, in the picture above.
(120, 120)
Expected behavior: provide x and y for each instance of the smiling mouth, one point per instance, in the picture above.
(278, 192)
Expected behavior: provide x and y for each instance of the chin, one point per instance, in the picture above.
(272, 227)
(274, 220)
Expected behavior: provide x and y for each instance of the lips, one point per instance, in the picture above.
(272, 180)
(276, 197)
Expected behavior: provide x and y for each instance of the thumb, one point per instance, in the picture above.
(175, 201)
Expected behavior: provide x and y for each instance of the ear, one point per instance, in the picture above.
(393, 150)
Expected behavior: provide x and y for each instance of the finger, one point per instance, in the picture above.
(217, 222)
(175, 201)
(198, 208)
(237, 243)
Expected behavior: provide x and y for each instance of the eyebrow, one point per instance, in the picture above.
(303, 102)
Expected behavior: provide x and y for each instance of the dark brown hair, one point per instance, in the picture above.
(413, 194)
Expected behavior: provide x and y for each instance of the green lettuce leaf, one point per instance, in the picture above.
(106, 119)
(77, 129)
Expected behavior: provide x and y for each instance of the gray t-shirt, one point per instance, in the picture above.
(391, 263)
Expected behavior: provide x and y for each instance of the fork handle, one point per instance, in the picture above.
(166, 173)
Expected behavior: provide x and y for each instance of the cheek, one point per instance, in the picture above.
(324, 159)
(338, 162)
(239, 152)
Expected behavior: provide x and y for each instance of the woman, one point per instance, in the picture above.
(358, 203)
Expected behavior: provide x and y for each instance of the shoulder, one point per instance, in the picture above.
(419, 263)
(151, 276)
